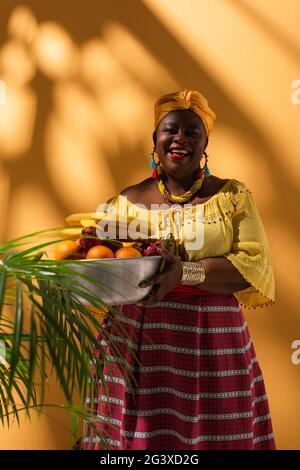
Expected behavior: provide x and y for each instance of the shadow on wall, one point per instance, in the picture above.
(279, 37)
(85, 90)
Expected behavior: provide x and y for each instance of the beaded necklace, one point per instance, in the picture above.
(187, 196)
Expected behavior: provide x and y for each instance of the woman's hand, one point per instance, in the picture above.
(164, 281)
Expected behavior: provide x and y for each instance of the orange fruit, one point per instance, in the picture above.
(127, 252)
(99, 251)
(68, 249)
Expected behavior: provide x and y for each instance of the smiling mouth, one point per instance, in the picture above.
(178, 154)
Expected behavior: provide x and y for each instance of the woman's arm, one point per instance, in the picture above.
(222, 277)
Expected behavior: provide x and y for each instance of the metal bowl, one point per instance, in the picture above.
(117, 278)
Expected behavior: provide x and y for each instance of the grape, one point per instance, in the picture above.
(88, 239)
(150, 250)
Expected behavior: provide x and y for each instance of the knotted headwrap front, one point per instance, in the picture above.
(185, 99)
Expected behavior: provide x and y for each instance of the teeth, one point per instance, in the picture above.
(184, 152)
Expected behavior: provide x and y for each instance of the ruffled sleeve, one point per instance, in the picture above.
(250, 253)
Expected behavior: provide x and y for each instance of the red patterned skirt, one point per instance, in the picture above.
(197, 383)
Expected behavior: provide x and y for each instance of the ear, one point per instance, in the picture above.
(154, 138)
(206, 143)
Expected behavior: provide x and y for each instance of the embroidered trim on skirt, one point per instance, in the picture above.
(198, 385)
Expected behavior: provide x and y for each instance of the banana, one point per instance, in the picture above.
(88, 223)
(74, 219)
(93, 217)
(66, 232)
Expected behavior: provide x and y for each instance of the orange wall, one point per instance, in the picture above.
(81, 79)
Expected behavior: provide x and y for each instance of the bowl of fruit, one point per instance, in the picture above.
(109, 268)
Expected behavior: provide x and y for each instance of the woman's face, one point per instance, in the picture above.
(180, 142)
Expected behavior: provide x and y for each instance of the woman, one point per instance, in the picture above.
(198, 383)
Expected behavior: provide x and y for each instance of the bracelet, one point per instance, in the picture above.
(192, 272)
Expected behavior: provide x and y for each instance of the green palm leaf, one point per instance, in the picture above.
(42, 326)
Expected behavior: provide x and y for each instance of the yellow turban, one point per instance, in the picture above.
(185, 99)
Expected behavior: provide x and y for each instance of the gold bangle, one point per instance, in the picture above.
(192, 272)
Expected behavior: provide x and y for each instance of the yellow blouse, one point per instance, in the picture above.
(228, 224)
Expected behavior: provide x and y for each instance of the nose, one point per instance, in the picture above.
(180, 137)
